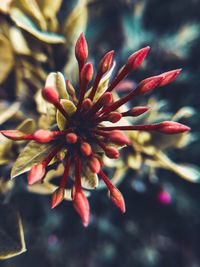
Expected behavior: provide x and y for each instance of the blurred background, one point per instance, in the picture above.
(162, 221)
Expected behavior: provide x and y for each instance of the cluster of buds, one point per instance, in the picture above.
(87, 131)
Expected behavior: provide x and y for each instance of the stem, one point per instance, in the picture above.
(78, 167)
(106, 180)
(66, 172)
(52, 154)
(61, 109)
(144, 127)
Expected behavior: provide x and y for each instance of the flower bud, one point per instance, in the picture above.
(114, 117)
(106, 99)
(106, 63)
(36, 173)
(57, 197)
(149, 84)
(117, 199)
(14, 135)
(118, 137)
(81, 50)
(87, 104)
(82, 207)
(94, 165)
(169, 76)
(86, 149)
(86, 73)
(172, 127)
(136, 59)
(111, 152)
(50, 94)
(136, 111)
(43, 136)
(71, 138)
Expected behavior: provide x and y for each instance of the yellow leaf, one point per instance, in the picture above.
(32, 153)
(11, 233)
(89, 180)
(27, 126)
(57, 80)
(6, 58)
(70, 108)
(26, 24)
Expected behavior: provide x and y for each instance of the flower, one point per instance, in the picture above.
(89, 126)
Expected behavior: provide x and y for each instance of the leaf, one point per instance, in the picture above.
(188, 172)
(75, 22)
(26, 24)
(134, 161)
(31, 8)
(32, 153)
(10, 111)
(46, 110)
(6, 58)
(70, 108)
(20, 46)
(27, 126)
(11, 233)
(89, 180)
(57, 80)
(49, 8)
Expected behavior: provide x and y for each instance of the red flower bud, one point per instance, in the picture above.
(114, 117)
(82, 207)
(36, 173)
(81, 50)
(86, 149)
(136, 59)
(169, 76)
(86, 73)
(149, 84)
(50, 94)
(106, 63)
(57, 197)
(15, 135)
(43, 136)
(111, 152)
(171, 127)
(117, 199)
(118, 137)
(106, 99)
(87, 104)
(136, 111)
(94, 165)
(71, 138)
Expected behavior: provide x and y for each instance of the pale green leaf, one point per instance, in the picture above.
(89, 180)
(57, 81)
(33, 153)
(70, 108)
(26, 24)
(11, 233)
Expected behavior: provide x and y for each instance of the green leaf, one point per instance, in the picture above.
(11, 233)
(33, 153)
(26, 24)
